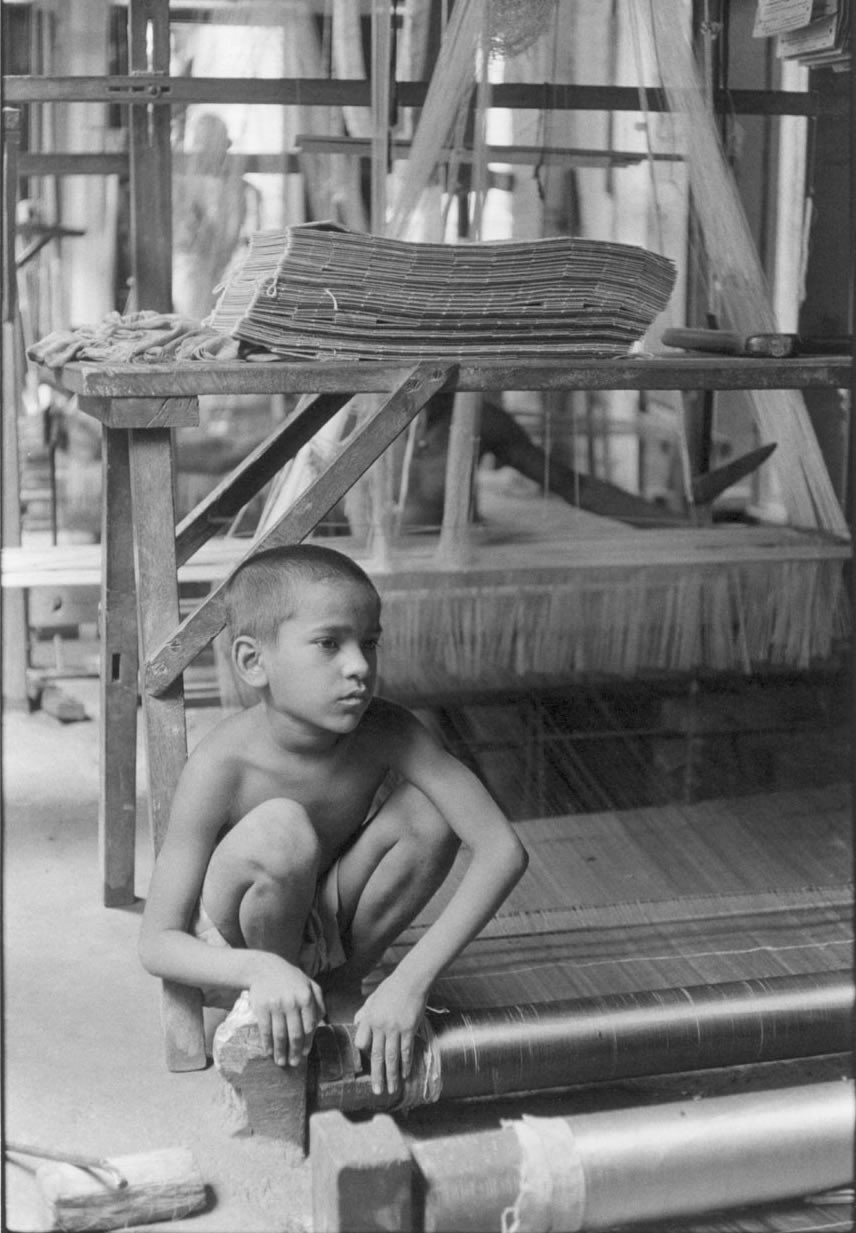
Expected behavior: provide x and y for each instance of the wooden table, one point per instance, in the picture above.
(139, 405)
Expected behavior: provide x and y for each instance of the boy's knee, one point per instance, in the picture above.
(280, 840)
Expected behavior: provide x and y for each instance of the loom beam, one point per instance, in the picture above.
(591, 1171)
(533, 1048)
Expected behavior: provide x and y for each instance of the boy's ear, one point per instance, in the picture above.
(247, 660)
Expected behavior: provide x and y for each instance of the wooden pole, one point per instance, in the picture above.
(380, 476)
(151, 162)
(15, 634)
(454, 547)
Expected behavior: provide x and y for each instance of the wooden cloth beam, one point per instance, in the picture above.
(602, 1170)
(592, 1171)
(151, 88)
(513, 1049)
(500, 1051)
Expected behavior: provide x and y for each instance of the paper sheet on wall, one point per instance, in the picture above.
(825, 40)
(778, 16)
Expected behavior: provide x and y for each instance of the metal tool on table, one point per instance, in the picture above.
(775, 346)
(729, 342)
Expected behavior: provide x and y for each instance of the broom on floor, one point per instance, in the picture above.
(85, 1193)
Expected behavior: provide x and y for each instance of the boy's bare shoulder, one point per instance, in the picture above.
(227, 738)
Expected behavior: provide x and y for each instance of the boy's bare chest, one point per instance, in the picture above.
(335, 791)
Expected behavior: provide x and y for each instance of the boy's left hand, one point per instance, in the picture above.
(386, 1025)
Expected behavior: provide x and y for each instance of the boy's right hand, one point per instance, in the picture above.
(288, 1007)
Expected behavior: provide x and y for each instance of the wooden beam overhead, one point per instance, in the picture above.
(148, 88)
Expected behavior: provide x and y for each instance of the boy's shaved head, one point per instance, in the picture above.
(263, 591)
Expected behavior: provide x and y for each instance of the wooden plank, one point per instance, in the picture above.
(250, 476)
(535, 156)
(148, 88)
(157, 602)
(157, 412)
(79, 565)
(572, 539)
(83, 163)
(195, 377)
(178, 647)
(117, 800)
(166, 733)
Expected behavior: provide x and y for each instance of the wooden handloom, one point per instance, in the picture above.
(735, 889)
(138, 406)
(644, 942)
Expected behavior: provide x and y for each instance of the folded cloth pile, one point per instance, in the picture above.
(318, 291)
(141, 337)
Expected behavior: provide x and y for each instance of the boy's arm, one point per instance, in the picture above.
(498, 860)
(287, 1004)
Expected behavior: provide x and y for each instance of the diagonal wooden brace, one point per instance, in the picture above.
(250, 476)
(364, 447)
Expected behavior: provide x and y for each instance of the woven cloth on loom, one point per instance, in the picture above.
(654, 898)
(320, 292)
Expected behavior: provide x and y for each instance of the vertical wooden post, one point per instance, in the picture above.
(117, 813)
(454, 546)
(381, 475)
(14, 604)
(166, 733)
(381, 96)
(150, 161)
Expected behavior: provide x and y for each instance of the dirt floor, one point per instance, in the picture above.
(82, 1048)
(83, 1059)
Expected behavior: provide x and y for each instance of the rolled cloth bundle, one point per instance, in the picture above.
(511, 1049)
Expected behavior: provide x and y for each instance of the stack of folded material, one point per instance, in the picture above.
(318, 292)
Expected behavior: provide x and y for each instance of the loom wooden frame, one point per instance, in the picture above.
(138, 404)
(595, 1040)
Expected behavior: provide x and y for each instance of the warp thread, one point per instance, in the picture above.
(425, 1082)
(552, 1182)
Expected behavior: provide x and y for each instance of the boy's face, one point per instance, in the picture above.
(322, 670)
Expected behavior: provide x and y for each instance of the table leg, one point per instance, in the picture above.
(119, 677)
(151, 468)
